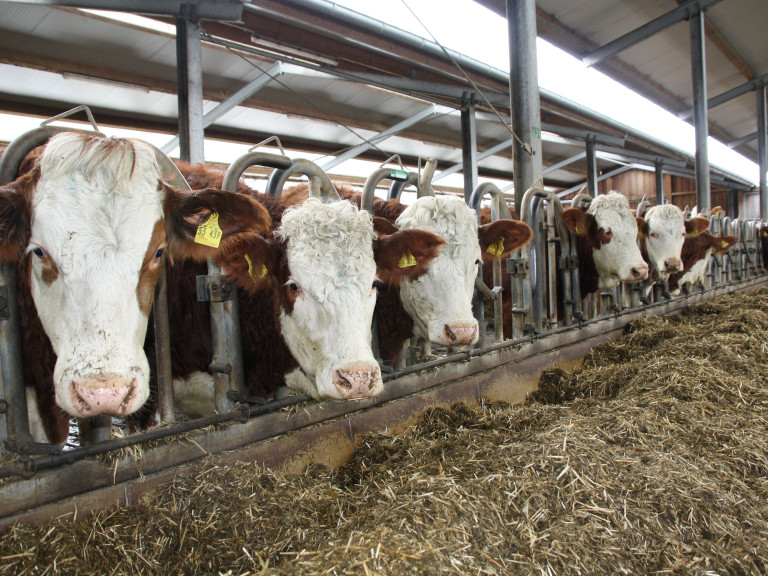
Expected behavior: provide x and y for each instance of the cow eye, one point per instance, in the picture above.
(159, 253)
(477, 262)
(377, 284)
(293, 285)
(654, 235)
(39, 252)
(608, 232)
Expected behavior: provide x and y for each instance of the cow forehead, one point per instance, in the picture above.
(92, 203)
(329, 246)
(448, 217)
(665, 218)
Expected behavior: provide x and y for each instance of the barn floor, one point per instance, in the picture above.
(651, 458)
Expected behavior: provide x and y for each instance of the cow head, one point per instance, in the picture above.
(663, 232)
(88, 227)
(609, 230)
(440, 301)
(325, 264)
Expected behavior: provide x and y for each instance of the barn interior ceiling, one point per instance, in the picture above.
(331, 81)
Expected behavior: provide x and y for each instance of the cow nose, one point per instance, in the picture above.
(639, 272)
(673, 265)
(459, 334)
(357, 381)
(113, 396)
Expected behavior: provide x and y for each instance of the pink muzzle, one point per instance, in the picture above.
(113, 396)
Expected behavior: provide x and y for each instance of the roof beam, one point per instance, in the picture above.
(506, 145)
(237, 98)
(647, 30)
(728, 95)
(200, 9)
(564, 163)
(371, 142)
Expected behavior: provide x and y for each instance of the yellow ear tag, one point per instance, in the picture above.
(578, 230)
(209, 233)
(765, 233)
(724, 244)
(264, 270)
(497, 248)
(407, 261)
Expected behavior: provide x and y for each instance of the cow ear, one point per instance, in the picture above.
(577, 221)
(405, 254)
(499, 239)
(721, 244)
(642, 227)
(199, 224)
(696, 225)
(15, 219)
(249, 262)
(382, 226)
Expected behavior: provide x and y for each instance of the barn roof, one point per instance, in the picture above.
(326, 79)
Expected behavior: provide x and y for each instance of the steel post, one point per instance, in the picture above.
(762, 150)
(469, 148)
(700, 116)
(524, 92)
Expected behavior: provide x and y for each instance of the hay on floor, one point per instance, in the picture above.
(651, 459)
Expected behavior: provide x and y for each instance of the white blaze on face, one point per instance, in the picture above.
(440, 301)
(620, 259)
(330, 257)
(94, 213)
(664, 243)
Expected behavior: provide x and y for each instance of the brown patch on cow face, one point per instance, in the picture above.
(16, 215)
(151, 268)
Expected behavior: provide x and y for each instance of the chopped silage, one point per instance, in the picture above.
(650, 459)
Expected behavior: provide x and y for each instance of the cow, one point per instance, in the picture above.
(606, 243)
(696, 252)
(436, 307)
(87, 227)
(662, 233)
(764, 245)
(307, 296)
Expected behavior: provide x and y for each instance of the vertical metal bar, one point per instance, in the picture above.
(732, 203)
(164, 374)
(591, 168)
(762, 150)
(190, 89)
(524, 93)
(659, 164)
(469, 148)
(700, 118)
(16, 429)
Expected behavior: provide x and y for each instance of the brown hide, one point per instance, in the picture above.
(695, 250)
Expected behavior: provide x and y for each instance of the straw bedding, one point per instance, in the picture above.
(650, 459)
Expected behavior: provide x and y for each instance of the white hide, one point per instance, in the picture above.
(616, 260)
(36, 427)
(443, 296)
(194, 395)
(93, 215)
(330, 256)
(666, 234)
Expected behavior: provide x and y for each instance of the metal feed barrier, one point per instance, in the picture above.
(545, 306)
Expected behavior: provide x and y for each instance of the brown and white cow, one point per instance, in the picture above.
(606, 243)
(662, 233)
(307, 299)
(88, 226)
(696, 252)
(437, 306)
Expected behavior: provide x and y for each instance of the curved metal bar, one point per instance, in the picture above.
(320, 184)
(397, 176)
(581, 201)
(499, 208)
(642, 208)
(398, 185)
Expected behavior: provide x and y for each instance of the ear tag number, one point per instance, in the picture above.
(209, 233)
(497, 248)
(407, 261)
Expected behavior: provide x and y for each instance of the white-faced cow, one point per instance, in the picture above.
(606, 243)
(88, 226)
(438, 305)
(662, 233)
(307, 298)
